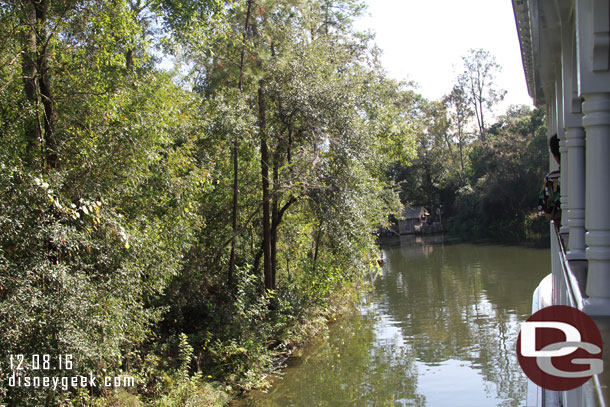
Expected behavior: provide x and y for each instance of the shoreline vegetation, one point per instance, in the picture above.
(346, 304)
(206, 392)
(188, 188)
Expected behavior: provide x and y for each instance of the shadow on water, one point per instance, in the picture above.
(439, 329)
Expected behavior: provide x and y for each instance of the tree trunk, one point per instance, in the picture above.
(453, 159)
(316, 246)
(235, 157)
(44, 84)
(33, 127)
(275, 214)
(274, 226)
(262, 122)
(37, 84)
(234, 214)
(461, 150)
(243, 48)
(327, 18)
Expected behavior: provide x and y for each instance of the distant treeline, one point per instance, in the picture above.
(483, 174)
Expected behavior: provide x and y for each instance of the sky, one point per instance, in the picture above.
(424, 41)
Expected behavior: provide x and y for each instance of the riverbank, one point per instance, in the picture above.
(207, 390)
(538, 239)
(318, 328)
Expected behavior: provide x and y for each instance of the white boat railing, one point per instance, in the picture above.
(567, 287)
(569, 276)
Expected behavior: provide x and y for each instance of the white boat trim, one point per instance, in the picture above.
(565, 49)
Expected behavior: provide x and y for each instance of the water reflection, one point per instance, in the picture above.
(439, 329)
(356, 364)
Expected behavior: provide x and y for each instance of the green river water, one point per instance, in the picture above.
(438, 329)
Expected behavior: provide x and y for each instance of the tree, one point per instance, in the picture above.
(139, 140)
(460, 113)
(424, 177)
(477, 81)
(98, 183)
(506, 174)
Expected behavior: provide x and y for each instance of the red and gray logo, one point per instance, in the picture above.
(560, 348)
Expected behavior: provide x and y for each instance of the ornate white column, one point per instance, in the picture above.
(596, 121)
(576, 190)
(575, 142)
(593, 46)
(565, 187)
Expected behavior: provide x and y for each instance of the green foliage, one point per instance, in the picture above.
(483, 179)
(506, 174)
(121, 124)
(118, 124)
(64, 288)
(195, 392)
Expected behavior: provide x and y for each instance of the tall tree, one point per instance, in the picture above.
(478, 81)
(235, 153)
(37, 37)
(460, 113)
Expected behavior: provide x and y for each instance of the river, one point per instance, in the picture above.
(438, 329)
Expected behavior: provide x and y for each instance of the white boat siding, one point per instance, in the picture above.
(565, 47)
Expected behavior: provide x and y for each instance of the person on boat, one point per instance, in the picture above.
(548, 199)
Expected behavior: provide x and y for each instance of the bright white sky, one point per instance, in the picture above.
(424, 41)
